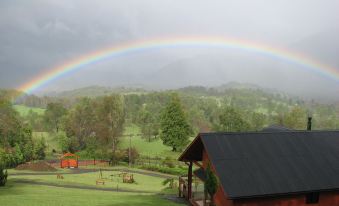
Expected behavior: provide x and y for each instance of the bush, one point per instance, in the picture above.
(134, 155)
(3, 176)
(167, 170)
(117, 156)
(168, 162)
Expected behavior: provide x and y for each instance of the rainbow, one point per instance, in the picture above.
(174, 42)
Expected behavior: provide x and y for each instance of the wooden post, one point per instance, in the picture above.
(179, 187)
(129, 151)
(189, 180)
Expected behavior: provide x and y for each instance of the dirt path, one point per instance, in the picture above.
(152, 174)
(82, 171)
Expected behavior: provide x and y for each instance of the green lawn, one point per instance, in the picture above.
(147, 190)
(143, 182)
(15, 194)
(24, 110)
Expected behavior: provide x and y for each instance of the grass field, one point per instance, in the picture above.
(15, 194)
(24, 110)
(153, 148)
(148, 190)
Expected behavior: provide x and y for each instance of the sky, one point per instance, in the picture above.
(37, 35)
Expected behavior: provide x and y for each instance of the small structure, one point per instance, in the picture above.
(100, 181)
(69, 160)
(273, 167)
(128, 178)
(59, 176)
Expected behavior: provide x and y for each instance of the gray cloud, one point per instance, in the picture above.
(38, 35)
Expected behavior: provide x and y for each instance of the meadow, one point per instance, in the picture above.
(154, 148)
(24, 110)
(17, 194)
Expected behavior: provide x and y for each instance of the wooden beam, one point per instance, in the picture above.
(197, 164)
(189, 182)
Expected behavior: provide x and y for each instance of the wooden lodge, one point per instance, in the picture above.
(275, 167)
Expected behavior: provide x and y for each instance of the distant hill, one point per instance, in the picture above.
(94, 91)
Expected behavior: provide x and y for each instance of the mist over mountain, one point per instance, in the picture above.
(37, 37)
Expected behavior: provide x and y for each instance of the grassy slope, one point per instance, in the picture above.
(153, 148)
(24, 110)
(28, 195)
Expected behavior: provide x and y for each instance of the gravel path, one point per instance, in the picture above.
(32, 182)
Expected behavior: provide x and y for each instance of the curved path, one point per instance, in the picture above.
(82, 171)
(32, 182)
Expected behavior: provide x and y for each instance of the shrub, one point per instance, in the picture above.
(167, 170)
(3, 175)
(117, 156)
(134, 155)
(168, 162)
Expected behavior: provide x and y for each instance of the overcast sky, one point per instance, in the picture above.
(37, 35)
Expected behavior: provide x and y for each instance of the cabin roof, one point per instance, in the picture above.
(270, 163)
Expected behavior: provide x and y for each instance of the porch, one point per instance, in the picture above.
(192, 189)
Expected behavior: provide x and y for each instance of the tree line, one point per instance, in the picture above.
(95, 125)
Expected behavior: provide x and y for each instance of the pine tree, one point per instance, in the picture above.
(211, 183)
(39, 149)
(175, 129)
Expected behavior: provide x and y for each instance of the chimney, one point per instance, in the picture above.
(309, 123)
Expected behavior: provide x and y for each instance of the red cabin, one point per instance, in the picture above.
(69, 160)
(275, 168)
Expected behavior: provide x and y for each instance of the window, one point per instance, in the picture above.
(312, 198)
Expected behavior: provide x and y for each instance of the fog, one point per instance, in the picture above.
(38, 35)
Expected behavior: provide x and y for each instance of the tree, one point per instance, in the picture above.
(175, 129)
(53, 116)
(66, 144)
(35, 120)
(39, 149)
(16, 142)
(80, 122)
(230, 120)
(92, 146)
(111, 118)
(257, 121)
(19, 156)
(211, 183)
(296, 118)
(148, 124)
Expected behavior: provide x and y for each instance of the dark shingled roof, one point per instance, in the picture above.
(271, 163)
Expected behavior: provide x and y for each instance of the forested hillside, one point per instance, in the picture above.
(97, 125)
